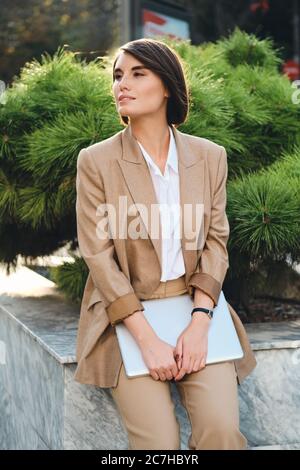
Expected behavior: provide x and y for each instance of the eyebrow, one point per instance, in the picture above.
(137, 67)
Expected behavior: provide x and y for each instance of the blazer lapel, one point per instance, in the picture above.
(191, 176)
(138, 179)
(191, 166)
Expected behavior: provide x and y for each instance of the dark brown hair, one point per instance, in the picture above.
(165, 62)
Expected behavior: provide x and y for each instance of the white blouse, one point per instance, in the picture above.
(168, 197)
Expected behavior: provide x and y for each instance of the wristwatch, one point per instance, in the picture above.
(208, 311)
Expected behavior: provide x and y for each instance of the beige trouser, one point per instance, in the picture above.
(210, 397)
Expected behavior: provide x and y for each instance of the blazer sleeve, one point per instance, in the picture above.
(95, 244)
(213, 263)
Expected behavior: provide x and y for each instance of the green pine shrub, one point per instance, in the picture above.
(239, 99)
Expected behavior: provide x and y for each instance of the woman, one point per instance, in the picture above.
(150, 162)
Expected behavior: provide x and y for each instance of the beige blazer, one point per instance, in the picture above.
(124, 271)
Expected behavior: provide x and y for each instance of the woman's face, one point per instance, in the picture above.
(148, 95)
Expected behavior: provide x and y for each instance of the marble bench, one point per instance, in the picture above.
(42, 407)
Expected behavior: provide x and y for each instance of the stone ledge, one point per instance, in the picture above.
(278, 447)
(38, 393)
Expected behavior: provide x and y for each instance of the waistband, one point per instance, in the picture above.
(169, 288)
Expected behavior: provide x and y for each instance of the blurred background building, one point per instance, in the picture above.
(92, 27)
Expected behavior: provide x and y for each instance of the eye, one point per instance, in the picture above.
(117, 76)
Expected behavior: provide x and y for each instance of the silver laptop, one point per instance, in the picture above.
(168, 317)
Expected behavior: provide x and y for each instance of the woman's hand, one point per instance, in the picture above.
(159, 358)
(191, 347)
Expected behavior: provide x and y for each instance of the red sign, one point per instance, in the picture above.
(262, 5)
(291, 68)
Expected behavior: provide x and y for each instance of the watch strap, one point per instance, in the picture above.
(208, 311)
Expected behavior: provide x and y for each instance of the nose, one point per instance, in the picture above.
(123, 83)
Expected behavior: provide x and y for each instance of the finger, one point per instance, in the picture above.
(203, 363)
(178, 365)
(200, 364)
(183, 367)
(179, 348)
(192, 365)
(185, 361)
(182, 363)
(178, 359)
(197, 366)
(177, 368)
(162, 375)
(154, 375)
(180, 374)
(174, 371)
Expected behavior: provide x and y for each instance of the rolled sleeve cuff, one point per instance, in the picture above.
(207, 284)
(123, 307)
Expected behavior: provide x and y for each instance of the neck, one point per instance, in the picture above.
(155, 139)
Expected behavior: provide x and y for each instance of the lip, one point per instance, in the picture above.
(125, 98)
